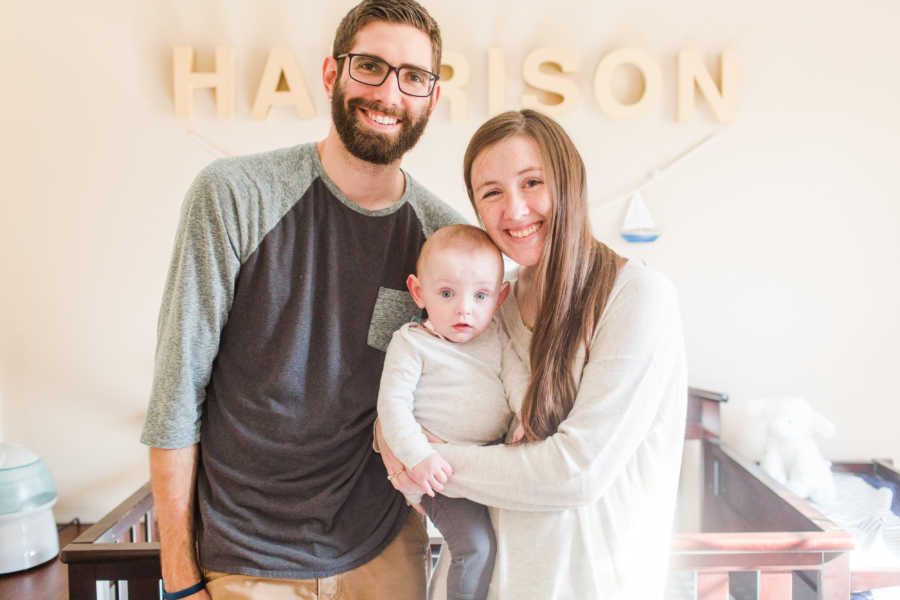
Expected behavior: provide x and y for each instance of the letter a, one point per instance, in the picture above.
(282, 62)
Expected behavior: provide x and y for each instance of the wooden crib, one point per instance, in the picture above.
(749, 526)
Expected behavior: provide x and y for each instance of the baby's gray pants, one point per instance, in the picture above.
(466, 527)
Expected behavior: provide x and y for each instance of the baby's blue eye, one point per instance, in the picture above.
(446, 293)
(481, 296)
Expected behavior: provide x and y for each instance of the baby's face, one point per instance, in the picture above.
(461, 290)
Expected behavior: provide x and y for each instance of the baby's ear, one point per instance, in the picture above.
(415, 290)
(504, 292)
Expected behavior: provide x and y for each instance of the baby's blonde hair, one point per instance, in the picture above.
(459, 237)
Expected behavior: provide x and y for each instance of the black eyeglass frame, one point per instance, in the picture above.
(391, 69)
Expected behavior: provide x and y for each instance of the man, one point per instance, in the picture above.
(286, 284)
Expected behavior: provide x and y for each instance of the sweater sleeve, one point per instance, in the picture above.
(396, 398)
(198, 295)
(636, 364)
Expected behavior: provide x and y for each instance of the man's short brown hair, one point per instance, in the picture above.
(403, 12)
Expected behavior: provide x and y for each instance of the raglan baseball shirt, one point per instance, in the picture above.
(281, 298)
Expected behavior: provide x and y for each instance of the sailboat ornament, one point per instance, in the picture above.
(638, 225)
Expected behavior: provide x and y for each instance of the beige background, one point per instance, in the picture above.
(781, 235)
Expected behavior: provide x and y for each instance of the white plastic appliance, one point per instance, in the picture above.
(28, 535)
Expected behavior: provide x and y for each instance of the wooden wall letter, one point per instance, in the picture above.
(185, 81)
(281, 62)
(454, 87)
(721, 99)
(567, 63)
(650, 71)
(496, 82)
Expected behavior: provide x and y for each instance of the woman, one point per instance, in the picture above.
(583, 507)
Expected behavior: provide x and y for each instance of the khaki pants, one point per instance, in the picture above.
(398, 573)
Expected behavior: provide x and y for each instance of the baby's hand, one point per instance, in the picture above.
(431, 473)
(518, 434)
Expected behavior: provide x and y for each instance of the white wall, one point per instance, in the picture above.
(781, 235)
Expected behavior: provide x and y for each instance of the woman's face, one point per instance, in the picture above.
(512, 197)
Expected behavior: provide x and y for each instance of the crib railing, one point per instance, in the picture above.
(750, 526)
(118, 557)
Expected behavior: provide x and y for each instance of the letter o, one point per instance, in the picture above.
(649, 70)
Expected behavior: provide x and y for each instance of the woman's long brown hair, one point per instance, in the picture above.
(574, 276)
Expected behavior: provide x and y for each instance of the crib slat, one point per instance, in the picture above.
(775, 585)
(712, 586)
(148, 527)
(834, 577)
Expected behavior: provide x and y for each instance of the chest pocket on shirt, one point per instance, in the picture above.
(393, 308)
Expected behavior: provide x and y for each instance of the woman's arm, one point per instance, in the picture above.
(633, 384)
(397, 473)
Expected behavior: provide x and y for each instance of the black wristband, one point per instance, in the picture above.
(185, 592)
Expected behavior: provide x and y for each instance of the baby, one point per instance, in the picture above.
(443, 377)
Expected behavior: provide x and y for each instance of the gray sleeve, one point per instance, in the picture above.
(432, 212)
(442, 215)
(197, 297)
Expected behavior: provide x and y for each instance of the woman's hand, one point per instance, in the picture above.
(397, 473)
(392, 464)
(404, 484)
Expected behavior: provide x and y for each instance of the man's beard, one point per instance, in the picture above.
(368, 145)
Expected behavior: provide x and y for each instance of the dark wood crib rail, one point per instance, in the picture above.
(122, 550)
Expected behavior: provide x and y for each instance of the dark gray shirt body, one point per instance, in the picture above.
(281, 298)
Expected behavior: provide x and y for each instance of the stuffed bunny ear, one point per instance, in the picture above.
(823, 426)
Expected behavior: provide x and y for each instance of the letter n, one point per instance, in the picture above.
(721, 99)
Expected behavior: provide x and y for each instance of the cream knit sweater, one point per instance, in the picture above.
(587, 513)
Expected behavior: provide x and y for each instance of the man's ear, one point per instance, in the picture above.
(329, 75)
(434, 97)
(415, 290)
(504, 292)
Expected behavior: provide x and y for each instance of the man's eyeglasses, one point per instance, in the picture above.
(371, 70)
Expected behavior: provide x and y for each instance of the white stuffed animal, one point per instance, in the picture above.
(791, 455)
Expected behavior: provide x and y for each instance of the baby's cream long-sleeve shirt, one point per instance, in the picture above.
(452, 389)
